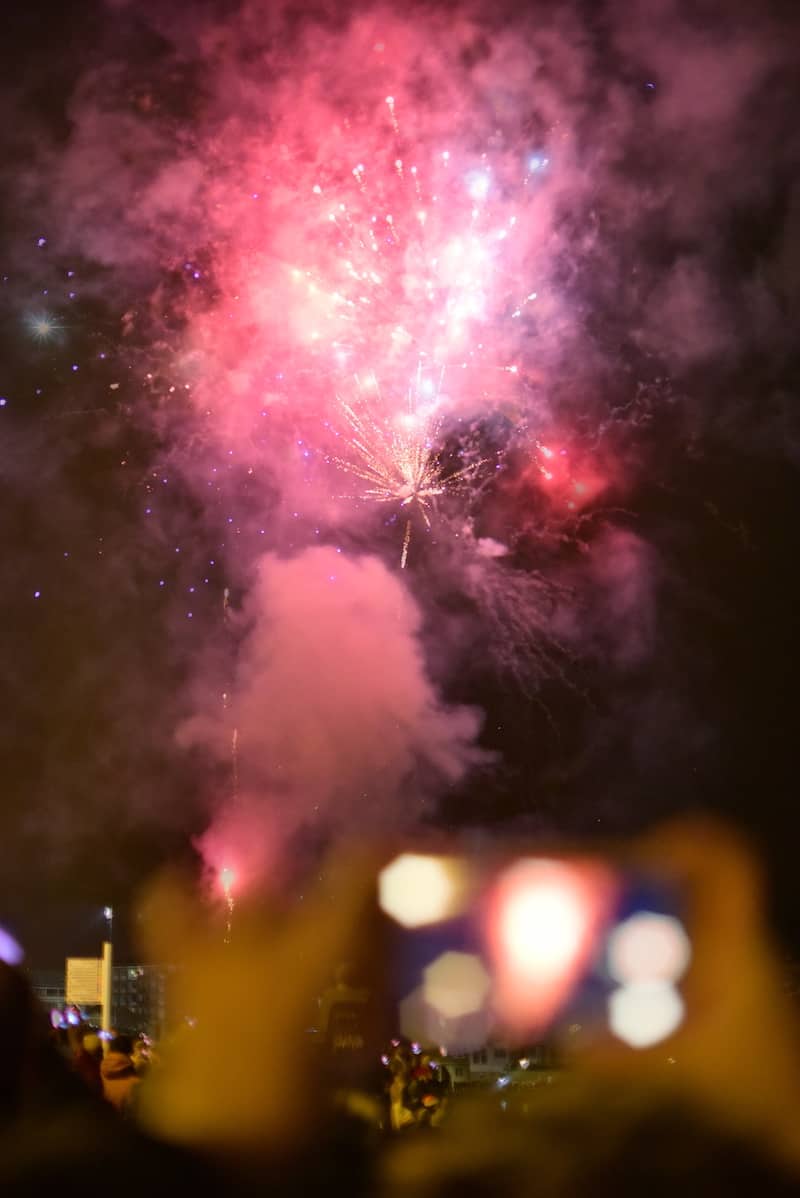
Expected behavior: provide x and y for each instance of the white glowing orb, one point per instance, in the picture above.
(456, 984)
(648, 948)
(417, 890)
(478, 184)
(543, 918)
(42, 326)
(645, 1013)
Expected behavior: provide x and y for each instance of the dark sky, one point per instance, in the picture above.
(98, 669)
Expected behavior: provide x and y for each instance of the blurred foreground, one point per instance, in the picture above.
(247, 1096)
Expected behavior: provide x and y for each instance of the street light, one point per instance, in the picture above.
(108, 915)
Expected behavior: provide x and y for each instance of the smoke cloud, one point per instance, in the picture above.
(554, 226)
(338, 727)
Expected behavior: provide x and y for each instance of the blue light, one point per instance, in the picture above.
(538, 162)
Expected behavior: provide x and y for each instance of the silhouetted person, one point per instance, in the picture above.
(118, 1073)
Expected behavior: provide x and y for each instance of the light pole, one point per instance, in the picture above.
(107, 971)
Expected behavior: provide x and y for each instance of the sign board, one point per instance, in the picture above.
(84, 980)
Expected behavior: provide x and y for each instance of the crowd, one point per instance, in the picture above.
(114, 1073)
(418, 1087)
(413, 1089)
(244, 1102)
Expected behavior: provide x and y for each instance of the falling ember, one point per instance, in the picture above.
(398, 458)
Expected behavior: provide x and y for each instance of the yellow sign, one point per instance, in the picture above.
(84, 980)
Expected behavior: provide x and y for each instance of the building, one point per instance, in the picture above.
(49, 986)
(140, 997)
(489, 1064)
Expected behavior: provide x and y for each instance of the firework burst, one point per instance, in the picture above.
(396, 453)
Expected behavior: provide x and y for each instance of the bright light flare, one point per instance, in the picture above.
(544, 918)
(542, 922)
(227, 880)
(42, 326)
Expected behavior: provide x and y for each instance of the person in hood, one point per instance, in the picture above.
(118, 1073)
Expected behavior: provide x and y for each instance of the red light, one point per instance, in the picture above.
(542, 930)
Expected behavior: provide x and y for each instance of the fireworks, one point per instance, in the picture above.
(227, 879)
(410, 257)
(407, 263)
(397, 454)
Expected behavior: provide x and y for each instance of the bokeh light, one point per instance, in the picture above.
(456, 984)
(644, 1013)
(421, 1022)
(416, 890)
(648, 947)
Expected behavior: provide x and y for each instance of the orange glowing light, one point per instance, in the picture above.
(544, 918)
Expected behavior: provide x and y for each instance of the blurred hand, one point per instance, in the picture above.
(737, 1052)
(242, 1077)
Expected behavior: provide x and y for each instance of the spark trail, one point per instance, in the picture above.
(397, 454)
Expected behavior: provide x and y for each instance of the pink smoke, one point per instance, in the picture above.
(320, 232)
(337, 719)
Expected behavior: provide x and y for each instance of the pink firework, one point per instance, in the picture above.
(374, 235)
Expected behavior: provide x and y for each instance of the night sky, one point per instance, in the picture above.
(567, 667)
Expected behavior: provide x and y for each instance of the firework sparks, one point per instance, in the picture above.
(397, 454)
(401, 250)
(227, 879)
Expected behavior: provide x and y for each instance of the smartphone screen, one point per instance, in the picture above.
(530, 947)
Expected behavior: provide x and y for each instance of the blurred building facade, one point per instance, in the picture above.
(493, 1062)
(49, 986)
(140, 997)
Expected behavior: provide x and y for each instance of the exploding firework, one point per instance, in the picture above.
(411, 251)
(397, 454)
(390, 248)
